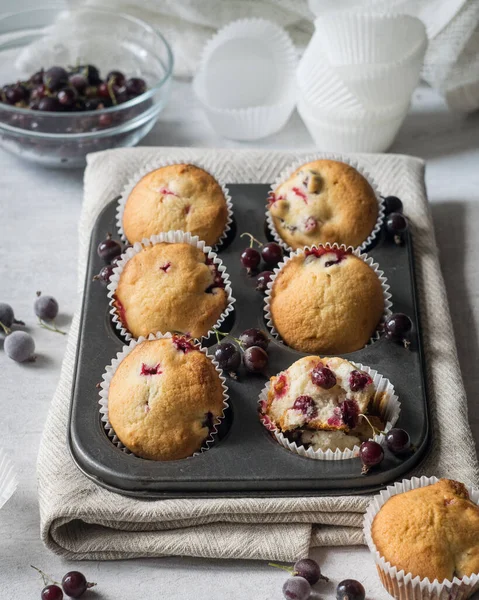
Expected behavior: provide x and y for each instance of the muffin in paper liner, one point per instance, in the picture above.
(8, 478)
(385, 402)
(356, 251)
(153, 166)
(241, 102)
(404, 586)
(286, 173)
(105, 386)
(170, 237)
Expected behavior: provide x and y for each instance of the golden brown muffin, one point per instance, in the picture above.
(319, 393)
(326, 301)
(177, 197)
(430, 532)
(164, 399)
(324, 201)
(170, 287)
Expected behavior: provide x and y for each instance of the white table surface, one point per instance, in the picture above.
(39, 211)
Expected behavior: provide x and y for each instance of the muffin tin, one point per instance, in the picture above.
(245, 460)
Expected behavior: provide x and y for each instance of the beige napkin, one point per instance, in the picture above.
(83, 521)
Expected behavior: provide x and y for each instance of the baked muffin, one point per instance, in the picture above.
(319, 394)
(164, 399)
(327, 301)
(170, 287)
(341, 440)
(176, 197)
(430, 532)
(324, 201)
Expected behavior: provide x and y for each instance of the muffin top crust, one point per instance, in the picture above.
(170, 287)
(324, 201)
(164, 399)
(176, 197)
(430, 532)
(326, 300)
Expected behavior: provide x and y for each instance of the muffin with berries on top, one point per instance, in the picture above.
(324, 201)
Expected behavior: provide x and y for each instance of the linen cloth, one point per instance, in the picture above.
(81, 520)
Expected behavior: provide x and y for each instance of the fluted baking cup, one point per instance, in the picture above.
(384, 397)
(105, 387)
(8, 478)
(246, 79)
(355, 39)
(286, 174)
(171, 237)
(153, 166)
(357, 252)
(320, 83)
(404, 586)
(350, 137)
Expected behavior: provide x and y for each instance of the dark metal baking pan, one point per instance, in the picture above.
(246, 460)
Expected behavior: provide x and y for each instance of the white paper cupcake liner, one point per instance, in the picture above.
(358, 137)
(253, 117)
(404, 586)
(357, 252)
(286, 173)
(105, 387)
(157, 164)
(384, 396)
(8, 478)
(355, 38)
(172, 237)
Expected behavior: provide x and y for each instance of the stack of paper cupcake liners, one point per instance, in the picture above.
(352, 87)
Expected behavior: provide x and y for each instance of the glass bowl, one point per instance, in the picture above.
(46, 37)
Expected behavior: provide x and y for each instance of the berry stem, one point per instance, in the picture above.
(6, 329)
(51, 327)
(252, 239)
(375, 430)
(46, 578)
(283, 567)
(406, 344)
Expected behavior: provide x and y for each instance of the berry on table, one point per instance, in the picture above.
(109, 248)
(272, 254)
(392, 204)
(398, 441)
(74, 584)
(396, 226)
(253, 337)
(296, 588)
(6, 316)
(52, 592)
(309, 569)
(19, 346)
(262, 280)
(45, 307)
(250, 259)
(228, 357)
(255, 359)
(350, 589)
(104, 275)
(397, 328)
(371, 455)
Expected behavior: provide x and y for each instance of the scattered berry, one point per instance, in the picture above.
(253, 337)
(250, 258)
(19, 346)
(396, 226)
(397, 328)
(398, 441)
(228, 357)
(371, 454)
(105, 274)
(296, 588)
(52, 592)
(45, 307)
(262, 280)
(108, 249)
(255, 359)
(350, 589)
(392, 204)
(309, 570)
(323, 377)
(272, 254)
(74, 584)
(6, 315)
